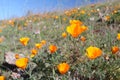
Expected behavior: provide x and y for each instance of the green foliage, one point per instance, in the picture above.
(116, 17)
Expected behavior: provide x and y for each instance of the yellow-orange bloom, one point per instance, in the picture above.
(33, 52)
(82, 12)
(17, 56)
(77, 22)
(22, 63)
(115, 49)
(0, 30)
(11, 22)
(25, 24)
(118, 36)
(43, 42)
(52, 48)
(115, 11)
(63, 68)
(107, 18)
(75, 30)
(2, 77)
(24, 40)
(93, 52)
(1, 40)
(56, 17)
(38, 45)
(64, 19)
(64, 34)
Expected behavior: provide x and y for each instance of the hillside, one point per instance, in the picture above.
(78, 44)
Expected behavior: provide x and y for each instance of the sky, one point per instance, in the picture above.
(17, 8)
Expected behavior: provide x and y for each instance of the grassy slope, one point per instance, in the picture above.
(51, 25)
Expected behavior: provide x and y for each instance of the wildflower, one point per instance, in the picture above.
(17, 56)
(32, 55)
(0, 30)
(64, 35)
(63, 68)
(89, 14)
(115, 49)
(2, 38)
(19, 28)
(93, 52)
(76, 29)
(64, 19)
(38, 45)
(77, 22)
(2, 77)
(43, 42)
(115, 11)
(25, 24)
(33, 52)
(118, 36)
(52, 48)
(82, 12)
(98, 10)
(56, 17)
(82, 38)
(11, 22)
(24, 40)
(107, 18)
(92, 10)
(22, 63)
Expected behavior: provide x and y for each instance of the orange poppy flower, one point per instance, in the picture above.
(82, 12)
(33, 52)
(93, 52)
(38, 45)
(2, 77)
(56, 17)
(107, 18)
(115, 49)
(64, 19)
(77, 22)
(75, 30)
(22, 63)
(43, 42)
(1, 40)
(64, 34)
(17, 56)
(63, 68)
(118, 36)
(24, 40)
(20, 28)
(0, 30)
(52, 48)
